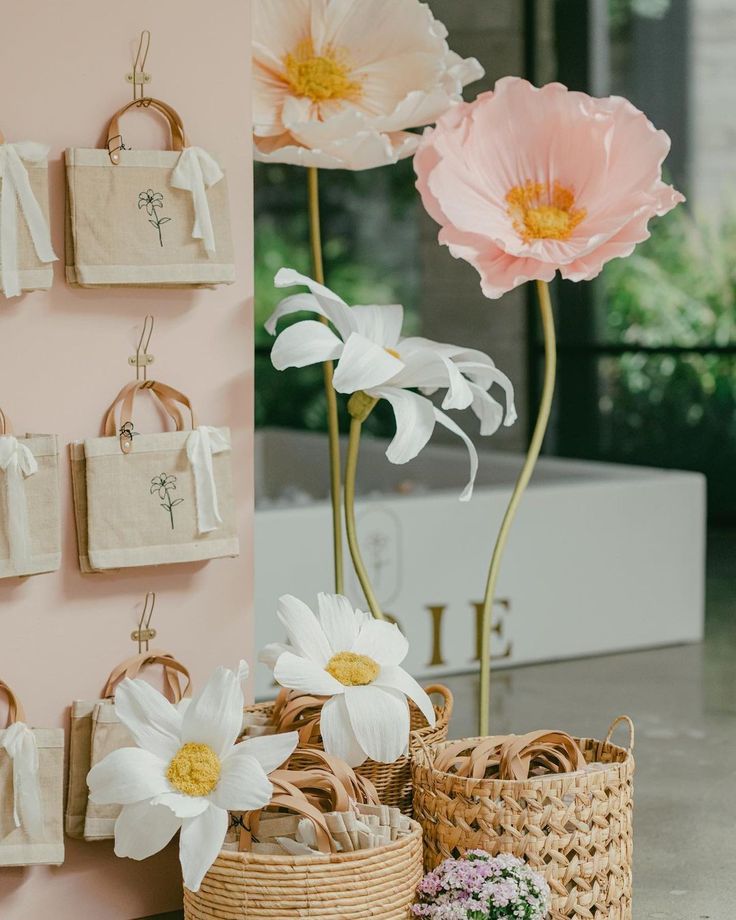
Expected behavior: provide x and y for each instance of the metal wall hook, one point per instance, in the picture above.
(145, 633)
(138, 77)
(141, 360)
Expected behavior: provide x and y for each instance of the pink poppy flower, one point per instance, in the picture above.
(526, 182)
(339, 83)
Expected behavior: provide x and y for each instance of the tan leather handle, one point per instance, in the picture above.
(16, 712)
(2, 138)
(114, 138)
(126, 399)
(5, 424)
(131, 668)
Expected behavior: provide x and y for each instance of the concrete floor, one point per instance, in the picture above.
(683, 702)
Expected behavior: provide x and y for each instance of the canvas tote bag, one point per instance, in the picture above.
(96, 732)
(30, 528)
(159, 498)
(31, 789)
(26, 253)
(153, 218)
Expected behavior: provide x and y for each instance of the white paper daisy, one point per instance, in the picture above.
(355, 661)
(186, 773)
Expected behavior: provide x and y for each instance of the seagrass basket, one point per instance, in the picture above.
(392, 780)
(574, 828)
(377, 884)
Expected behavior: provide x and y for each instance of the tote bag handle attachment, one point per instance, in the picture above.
(115, 139)
(166, 395)
(132, 667)
(6, 427)
(16, 712)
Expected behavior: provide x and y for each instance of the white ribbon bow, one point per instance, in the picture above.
(17, 462)
(195, 171)
(16, 187)
(202, 443)
(20, 743)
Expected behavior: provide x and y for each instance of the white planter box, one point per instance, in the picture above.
(602, 558)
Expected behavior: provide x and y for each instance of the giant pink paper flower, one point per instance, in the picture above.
(339, 83)
(526, 182)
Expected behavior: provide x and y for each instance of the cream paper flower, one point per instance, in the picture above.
(372, 357)
(355, 661)
(339, 83)
(187, 771)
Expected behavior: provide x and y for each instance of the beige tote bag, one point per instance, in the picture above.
(30, 528)
(26, 253)
(31, 789)
(152, 218)
(159, 498)
(96, 732)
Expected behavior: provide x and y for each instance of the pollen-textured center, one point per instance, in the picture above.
(393, 353)
(541, 212)
(319, 77)
(352, 669)
(195, 770)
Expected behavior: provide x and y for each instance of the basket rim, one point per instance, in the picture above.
(246, 857)
(422, 761)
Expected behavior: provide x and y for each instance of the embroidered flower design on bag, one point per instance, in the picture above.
(164, 485)
(153, 202)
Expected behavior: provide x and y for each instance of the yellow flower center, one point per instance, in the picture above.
(393, 353)
(539, 212)
(195, 770)
(352, 669)
(319, 77)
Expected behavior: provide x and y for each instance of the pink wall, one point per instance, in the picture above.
(63, 356)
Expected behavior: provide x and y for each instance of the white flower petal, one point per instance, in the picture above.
(487, 409)
(270, 653)
(383, 642)
(243, 784)
(448, 423)
(243, 675)
(215, 715)
(380, 720)
(338, 737)
(415, 422)
(363, 364)
(183, 806)
(144, 829)
(200, 844)
(303, 629)
(271, 751)
(127, 775)
(150, 718)
(305, 343)
(339, 621)
(381, 325)
(305, 675)
(398, 679)
(326, 302)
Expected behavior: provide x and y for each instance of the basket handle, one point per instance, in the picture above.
(448, 700)
(617, 721)
(16, 712)
(131, 667)
(114, 137)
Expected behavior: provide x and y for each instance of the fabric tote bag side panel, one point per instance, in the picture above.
(17, 846)
(108, 734)
(43, 510)
(132, 521)
(34, 274)
(129, 226)
(80, 761)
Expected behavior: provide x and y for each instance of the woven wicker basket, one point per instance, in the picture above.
(575, 828)
(393, 780)
(378, 884)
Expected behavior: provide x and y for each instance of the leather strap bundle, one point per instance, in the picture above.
(512, 757)
(153, 499)
(147, 218)
(312, 785)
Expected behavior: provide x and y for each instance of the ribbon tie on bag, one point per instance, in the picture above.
(20, 743)
(16, 187)
(195, 171)
(202, 443)
(17, 462)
